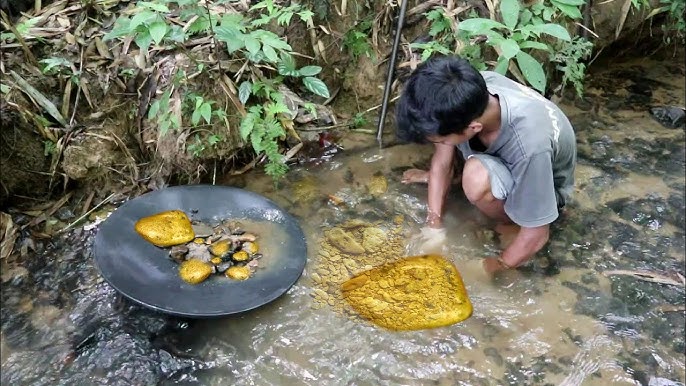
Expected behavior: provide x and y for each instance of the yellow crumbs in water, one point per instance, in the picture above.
(348, 249)
(412, 293)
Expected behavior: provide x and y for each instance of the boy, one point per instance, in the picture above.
(518, 149)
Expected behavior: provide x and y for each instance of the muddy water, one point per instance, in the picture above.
(557, 321)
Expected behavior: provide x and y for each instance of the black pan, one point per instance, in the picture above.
(145, 274)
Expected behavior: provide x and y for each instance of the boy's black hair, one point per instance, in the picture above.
(441, 97)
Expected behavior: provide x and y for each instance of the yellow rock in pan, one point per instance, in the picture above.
(220, 248)
(238, 273)
(413, 293)
(194, 271)
(166, 229)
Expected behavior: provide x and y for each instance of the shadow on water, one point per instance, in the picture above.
(560, 320)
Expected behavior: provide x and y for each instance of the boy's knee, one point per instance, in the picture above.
(475, 181)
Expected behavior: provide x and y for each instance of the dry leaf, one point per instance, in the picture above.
(8, 235)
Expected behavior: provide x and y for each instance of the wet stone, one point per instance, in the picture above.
(493, 353)
(595, 303)
(671, 117)
(589, 278)
(64, 214)
(668, 328)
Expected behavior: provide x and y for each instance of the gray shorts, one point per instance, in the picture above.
(501, 178)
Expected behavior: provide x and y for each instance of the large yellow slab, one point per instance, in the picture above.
(166, 229)
(412, 293)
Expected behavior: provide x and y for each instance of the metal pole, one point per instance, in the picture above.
(391, 68)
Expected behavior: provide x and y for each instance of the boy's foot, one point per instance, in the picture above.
(506, 233)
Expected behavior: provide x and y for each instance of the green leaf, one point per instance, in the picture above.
(235, 44)
(509, 9)
(121, 27)
(244, 91)
(552, 29)
(142, 18)
(501, 66)
(534, 45)
(206, 112)
(285, 18)
(157, 31)
(214, 139)
(154, 6)
(306, 15)
(525, 17)
(51, 63)
(195, 118)
(316, 86)
(310, 70)
(143, 40)
(532, 70)
(270, 54)
(248, 122)
(164, 127)
(176, 34)
(510, 48)
(256, 140)
(572, 2)
(271, 109)
(568, 10)
(4, 88)
(154, 109)
(548, 14)
(479, 25)
(271, 39)
(252, 44)
(287, 65)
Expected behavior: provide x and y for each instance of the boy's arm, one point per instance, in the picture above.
(440, 176)
(527, 242)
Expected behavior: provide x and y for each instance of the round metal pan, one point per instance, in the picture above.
(145, 274)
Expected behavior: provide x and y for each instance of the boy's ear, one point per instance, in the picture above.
(475, 126)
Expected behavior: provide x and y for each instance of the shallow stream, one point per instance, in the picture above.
(560, 320)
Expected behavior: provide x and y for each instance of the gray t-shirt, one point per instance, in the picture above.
(537, 144)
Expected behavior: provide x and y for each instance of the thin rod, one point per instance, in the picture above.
(391, 68)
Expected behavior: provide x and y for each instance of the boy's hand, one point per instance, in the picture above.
(412, 176)
(428, 240)
(493, 265)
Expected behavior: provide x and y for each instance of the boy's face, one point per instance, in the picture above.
(452, 139)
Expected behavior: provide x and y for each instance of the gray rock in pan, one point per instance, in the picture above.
(202, 230)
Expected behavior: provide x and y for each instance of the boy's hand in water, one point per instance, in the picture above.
(418, 176)
(493, 265)
(412, 176)
(430, 240)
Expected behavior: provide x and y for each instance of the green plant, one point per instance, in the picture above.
(359, 120)
(263, 128)
(199, 145)
(262, 125)
(49, 147)
(570, 62)
(22, 28)
(268, 57)
(675, 27)
(148, 24)
(519, 33)
(523, 32)
(161, 113)
(356, 40)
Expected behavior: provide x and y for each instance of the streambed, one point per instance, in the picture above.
(557, 321)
